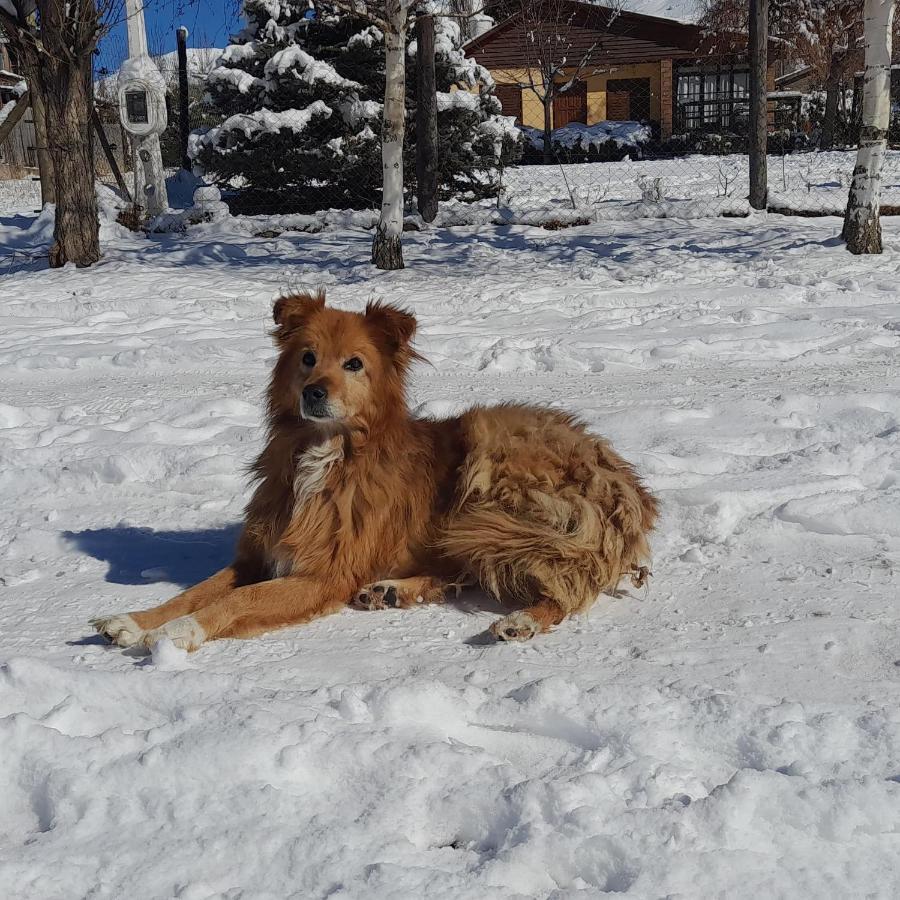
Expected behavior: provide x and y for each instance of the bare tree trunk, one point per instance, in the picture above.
(548, 128)
(426, 121)
(759, 52)
(44, 160)
(387, 249)
(862, 222)
(76, 237)
(832, 94)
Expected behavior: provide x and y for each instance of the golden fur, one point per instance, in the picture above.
(358, 501)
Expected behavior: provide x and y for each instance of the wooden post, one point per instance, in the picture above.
(759, 47)
(426, 121)
(665, 98)
(108, 153)
(13, 116)
(184, 127)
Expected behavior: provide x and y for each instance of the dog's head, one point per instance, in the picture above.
(336, 369)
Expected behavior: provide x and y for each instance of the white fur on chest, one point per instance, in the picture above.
(312, 469)
(310, 474)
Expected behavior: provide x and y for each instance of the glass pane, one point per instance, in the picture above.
(136, 106)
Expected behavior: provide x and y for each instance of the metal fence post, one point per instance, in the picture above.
(184, 127)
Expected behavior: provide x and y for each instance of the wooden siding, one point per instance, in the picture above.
(532, 112)
(620, 39)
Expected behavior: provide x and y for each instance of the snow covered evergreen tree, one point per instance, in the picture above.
(301, 89)
(303, 99)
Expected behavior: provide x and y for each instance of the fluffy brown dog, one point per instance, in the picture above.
(358, 501)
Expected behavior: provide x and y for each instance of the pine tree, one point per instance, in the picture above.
(303, 100)
(302, 88)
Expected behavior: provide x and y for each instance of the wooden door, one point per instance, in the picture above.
(571, 105)
(628, 99)
(618, 106)
(510, 97)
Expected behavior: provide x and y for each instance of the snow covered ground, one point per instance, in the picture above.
(733, 731)
(690, 186)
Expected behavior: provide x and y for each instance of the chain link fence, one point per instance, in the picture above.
(613, 145)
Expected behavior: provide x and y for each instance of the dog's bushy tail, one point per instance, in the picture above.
(545, 510)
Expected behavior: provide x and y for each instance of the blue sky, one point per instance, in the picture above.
(209, 22)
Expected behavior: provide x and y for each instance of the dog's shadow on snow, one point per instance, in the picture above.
(147, 556)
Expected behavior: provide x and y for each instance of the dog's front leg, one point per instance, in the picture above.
(127, 629)
(253, 609)
(404, 592)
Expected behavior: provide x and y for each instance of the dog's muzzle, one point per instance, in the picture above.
(314, 404)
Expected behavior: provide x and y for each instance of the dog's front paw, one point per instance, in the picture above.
(518, 626)
(120, 630)
(185, 632)
(377, 596)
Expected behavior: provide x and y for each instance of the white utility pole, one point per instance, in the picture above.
(142, 106)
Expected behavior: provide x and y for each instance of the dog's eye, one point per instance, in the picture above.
(354, 364)
(309, 359)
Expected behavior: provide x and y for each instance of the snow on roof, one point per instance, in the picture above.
(681, 10)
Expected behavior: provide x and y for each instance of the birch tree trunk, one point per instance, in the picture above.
(862, 224)
(387, 249)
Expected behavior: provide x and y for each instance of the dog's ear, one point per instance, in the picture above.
(294, 311)
(393, 327)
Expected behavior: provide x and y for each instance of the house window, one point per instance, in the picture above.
(712, 100)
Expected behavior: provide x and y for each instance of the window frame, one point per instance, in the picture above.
(712, 99)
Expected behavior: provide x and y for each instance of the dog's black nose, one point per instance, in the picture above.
(314, 393)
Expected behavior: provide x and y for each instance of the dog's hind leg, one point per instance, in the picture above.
(524, 624)
(550, 571)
